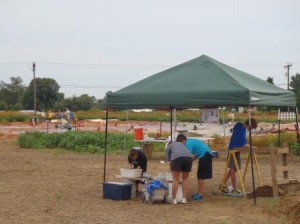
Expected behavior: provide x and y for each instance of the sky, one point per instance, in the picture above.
(96, 46)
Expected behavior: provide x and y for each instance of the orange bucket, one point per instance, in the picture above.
(138, 134)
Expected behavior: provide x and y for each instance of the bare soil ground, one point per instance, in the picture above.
(55, 186)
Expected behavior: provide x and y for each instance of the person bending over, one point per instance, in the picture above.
(137, 159)
(181, 161)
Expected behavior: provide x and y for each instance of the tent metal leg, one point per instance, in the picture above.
(105, 144)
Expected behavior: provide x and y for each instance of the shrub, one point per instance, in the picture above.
(295, 148)
(88, 141)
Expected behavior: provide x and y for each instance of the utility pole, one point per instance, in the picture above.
(287, 66)
(34, 88)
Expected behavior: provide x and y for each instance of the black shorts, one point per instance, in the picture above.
(205, 167)
(183, 164)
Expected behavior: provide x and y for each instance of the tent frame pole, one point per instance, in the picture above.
(297, 125)
(171, 123)
(251, 155)
(279, 132)
(105, 143)
(126, 130)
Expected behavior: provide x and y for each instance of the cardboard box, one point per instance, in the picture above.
(117, 190)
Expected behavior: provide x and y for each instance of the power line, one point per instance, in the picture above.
(13, 63)
(88, 86)
(127, 65)
(70, 86)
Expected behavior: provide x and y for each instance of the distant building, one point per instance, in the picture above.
(209, 115)
(141, 110)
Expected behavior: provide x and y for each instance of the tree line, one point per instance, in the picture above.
(16, 96)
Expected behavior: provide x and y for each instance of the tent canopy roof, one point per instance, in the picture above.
(200, 82)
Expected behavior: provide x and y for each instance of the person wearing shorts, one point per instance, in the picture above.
(181, 161)
(238, 139)
(204, 171)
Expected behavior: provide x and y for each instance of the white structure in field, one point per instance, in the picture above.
(291, 116)
(286, 115)
(209, 115)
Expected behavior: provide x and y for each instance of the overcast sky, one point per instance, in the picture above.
(98, 46)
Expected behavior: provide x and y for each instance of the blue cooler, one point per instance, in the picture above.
(117, 190)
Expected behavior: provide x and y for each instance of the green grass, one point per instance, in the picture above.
(225, 221)
(273, 203)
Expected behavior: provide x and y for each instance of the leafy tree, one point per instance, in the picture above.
(269, 109)
(270, 80)
(86, 102)
(17, 106)
(295, 83)
(101, 104)
(104, 101)
(59, 105)
(3, 105)
(12, 94)
(47, 93)
(83, 102)
(295, 87)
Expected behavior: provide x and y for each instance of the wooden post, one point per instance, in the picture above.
(147, 149)
(284, 164)
(273, 170)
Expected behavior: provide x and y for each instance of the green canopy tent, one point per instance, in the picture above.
(200, 82)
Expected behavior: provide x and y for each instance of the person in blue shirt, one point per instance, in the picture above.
(204, 154)
(238, 139)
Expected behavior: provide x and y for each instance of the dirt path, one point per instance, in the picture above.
(63, 187)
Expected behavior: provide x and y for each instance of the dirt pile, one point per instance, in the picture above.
(293, 214)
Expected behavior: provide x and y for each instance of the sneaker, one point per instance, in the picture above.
(198, 197)
(224, 188)
(193, 195)
(174, 202)
(184, 201)
(235, 191)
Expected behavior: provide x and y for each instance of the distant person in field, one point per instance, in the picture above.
(72, 116)
(60, 117)
(43, 115)
(50, 115)
(67, 114)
